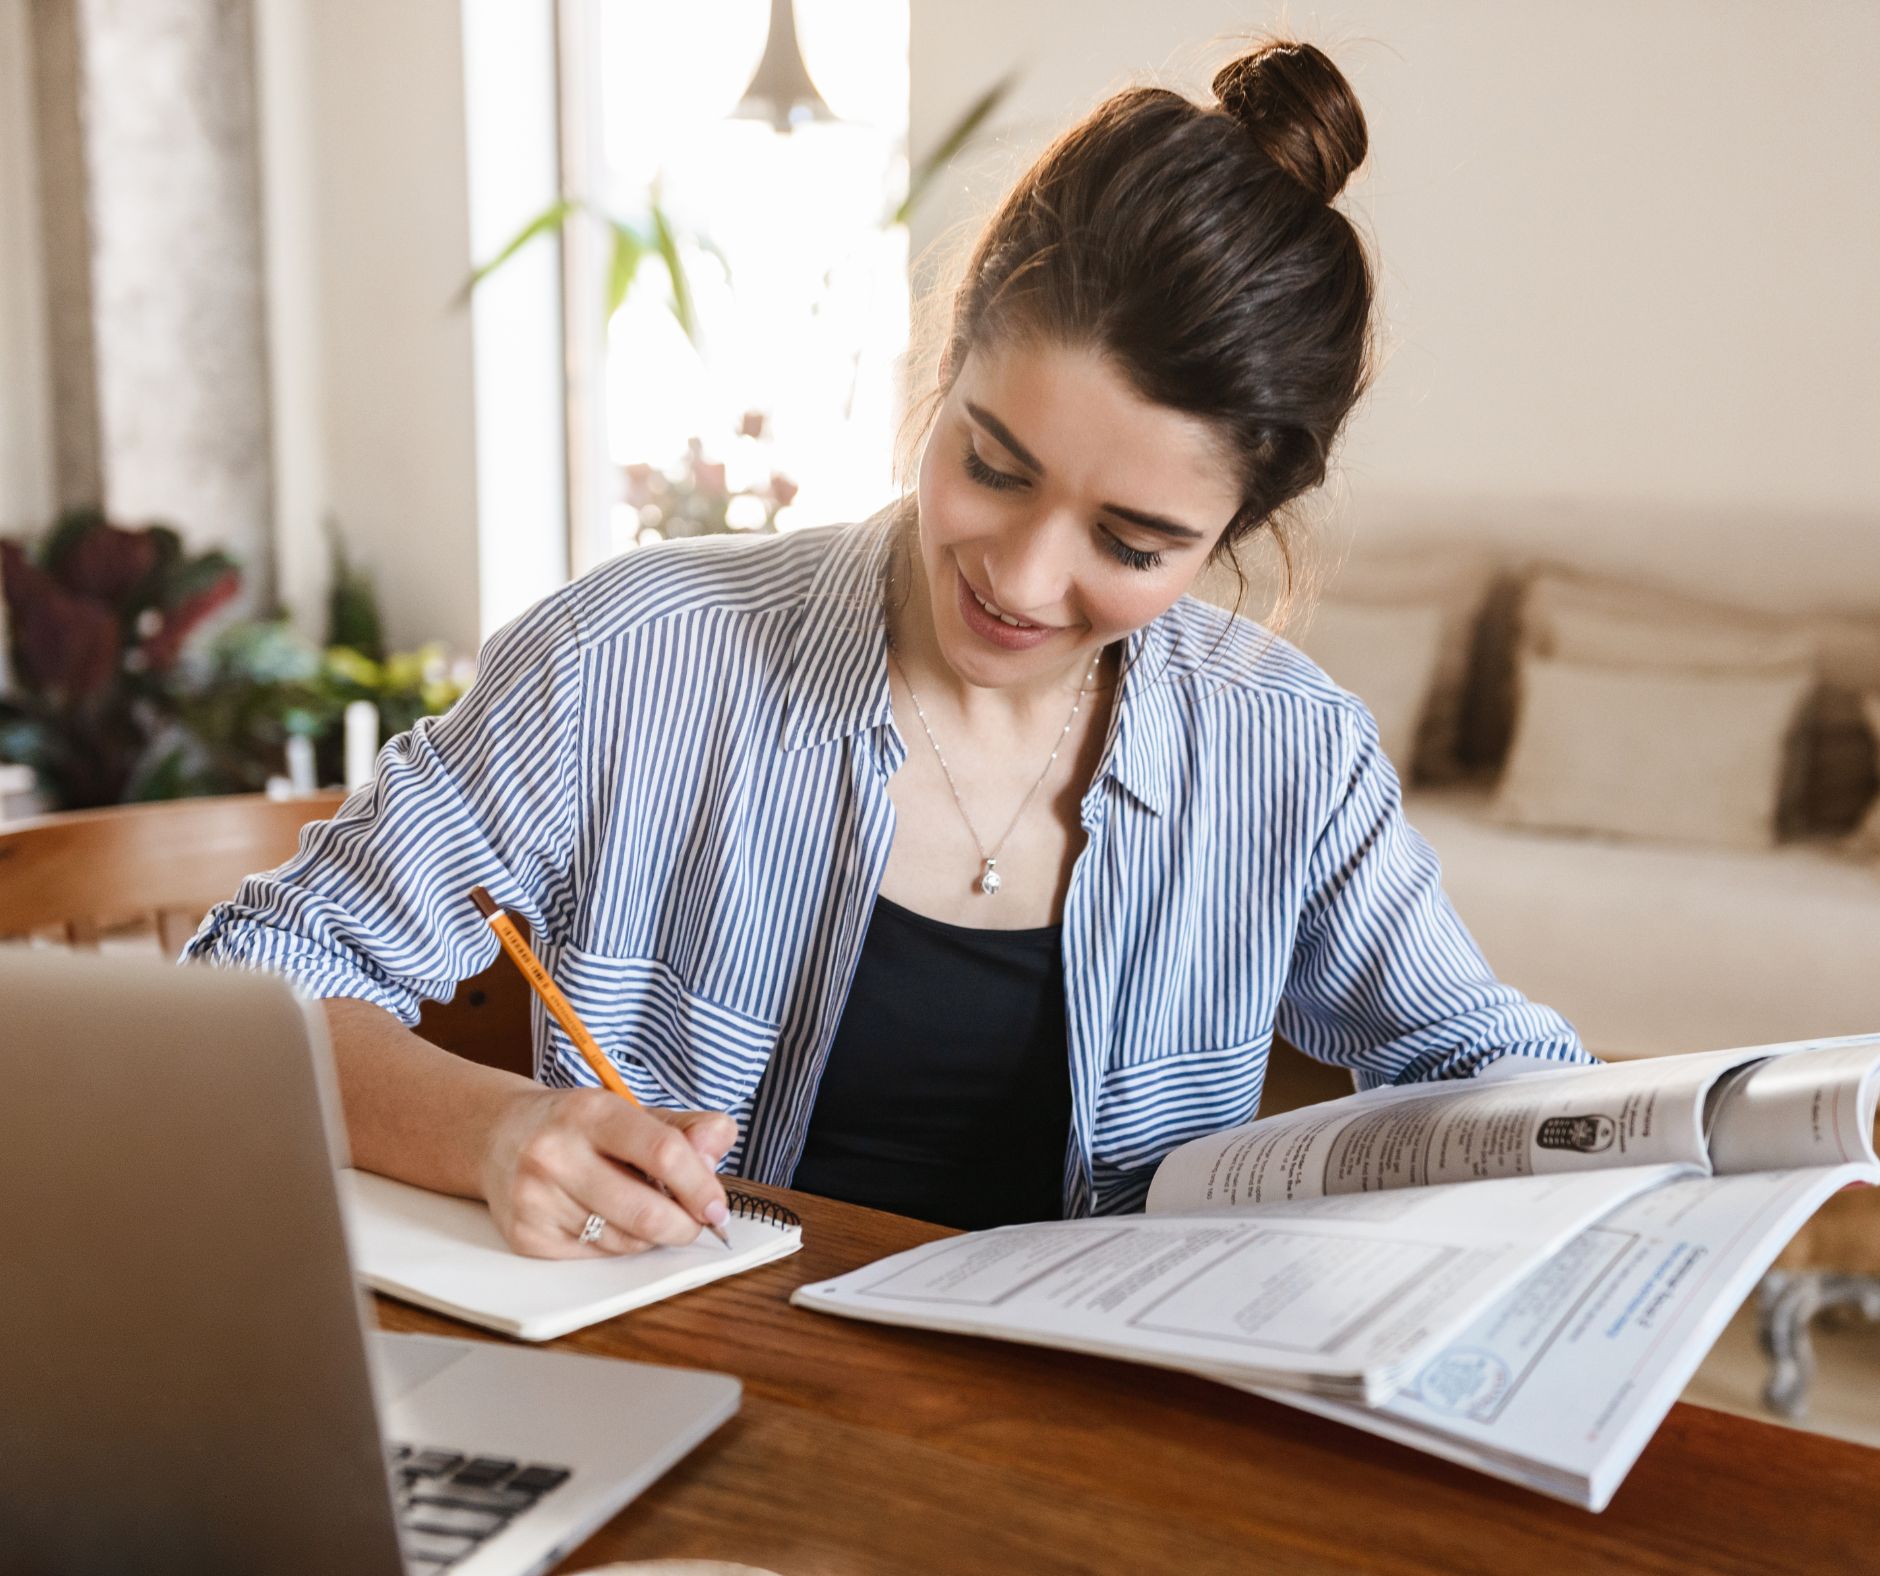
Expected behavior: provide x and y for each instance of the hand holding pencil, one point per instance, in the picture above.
(552, 1180)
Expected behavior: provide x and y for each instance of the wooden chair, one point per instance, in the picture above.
(142, 876)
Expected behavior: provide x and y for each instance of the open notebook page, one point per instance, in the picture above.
(446, 1254)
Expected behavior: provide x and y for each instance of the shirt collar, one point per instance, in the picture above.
(839, 670)
(1145, 732)
(839, 677)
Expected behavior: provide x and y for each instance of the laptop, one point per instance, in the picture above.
(189, 1381)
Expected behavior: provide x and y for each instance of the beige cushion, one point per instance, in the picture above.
(1832, 772)
(1850, 651)
(1560, 622)
(1585, 624)
(1453, 578)
(1685, 756)
(1387, 657)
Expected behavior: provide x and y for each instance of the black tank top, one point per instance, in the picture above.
(946, 1095)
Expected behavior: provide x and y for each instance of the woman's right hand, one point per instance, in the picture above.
(557, 1156)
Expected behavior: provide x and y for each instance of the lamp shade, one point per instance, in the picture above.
(781, 92)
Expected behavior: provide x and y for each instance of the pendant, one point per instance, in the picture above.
(989, 882)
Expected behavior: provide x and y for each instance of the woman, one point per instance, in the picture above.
(955, 863)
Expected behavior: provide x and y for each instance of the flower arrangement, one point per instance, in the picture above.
(694, 498)
(119, 692)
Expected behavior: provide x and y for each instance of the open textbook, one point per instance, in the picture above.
(1518, 1272)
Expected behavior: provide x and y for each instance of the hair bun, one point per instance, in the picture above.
(1300, 109)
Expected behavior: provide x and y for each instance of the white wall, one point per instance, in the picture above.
(430, 433)
(363, 158)
(1628, 258)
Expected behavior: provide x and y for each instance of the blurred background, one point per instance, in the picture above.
(1626, 252)
(333, 333)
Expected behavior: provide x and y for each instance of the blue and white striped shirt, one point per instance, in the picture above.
(676, 769)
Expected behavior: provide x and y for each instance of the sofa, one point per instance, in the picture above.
(1656, 803)
(1657, 812)
(1651, 948)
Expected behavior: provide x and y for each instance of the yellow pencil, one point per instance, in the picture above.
(559, 1007)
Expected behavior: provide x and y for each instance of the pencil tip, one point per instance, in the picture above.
(486, 905)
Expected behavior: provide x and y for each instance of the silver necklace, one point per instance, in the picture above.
(989, 881)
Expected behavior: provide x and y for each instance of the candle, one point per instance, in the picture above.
(300, 778)
(362, 742)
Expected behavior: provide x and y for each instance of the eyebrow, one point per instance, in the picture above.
(1024, 456)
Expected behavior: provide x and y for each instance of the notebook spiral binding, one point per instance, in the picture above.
(748, 1206)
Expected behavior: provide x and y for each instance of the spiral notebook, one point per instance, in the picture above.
(446, 1254)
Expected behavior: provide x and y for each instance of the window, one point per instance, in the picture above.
(798, 276)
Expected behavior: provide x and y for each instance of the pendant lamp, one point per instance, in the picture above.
(781, 92)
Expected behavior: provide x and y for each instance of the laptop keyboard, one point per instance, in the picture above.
(449, 1503)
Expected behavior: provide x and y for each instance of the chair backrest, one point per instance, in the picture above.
(145, 869)
(140, 877)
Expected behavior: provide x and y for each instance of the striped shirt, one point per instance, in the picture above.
(676, 769)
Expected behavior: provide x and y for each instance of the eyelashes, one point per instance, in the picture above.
(1002, 481)
(1134, 557)
(986, 476)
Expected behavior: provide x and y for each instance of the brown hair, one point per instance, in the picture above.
(1196, 249)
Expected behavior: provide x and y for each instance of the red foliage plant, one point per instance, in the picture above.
(97, 618)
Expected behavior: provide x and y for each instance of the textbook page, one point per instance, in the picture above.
(1813, 1107)
(1344, 1294)
(1560, 1385)
(1649, 1112)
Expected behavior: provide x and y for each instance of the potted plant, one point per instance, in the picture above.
(116, 695)
(97, 619)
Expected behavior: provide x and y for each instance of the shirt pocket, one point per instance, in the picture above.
(673, 1046)
(1145, 1109)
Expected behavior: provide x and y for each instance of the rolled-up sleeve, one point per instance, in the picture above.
(1384, 978)
(375, 904)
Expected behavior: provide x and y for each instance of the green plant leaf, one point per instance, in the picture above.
(631, 244)
(264, 652)
(72, 527)
(352, 602)
(624, 267)
(921, 179)
(195, 576)
(668, 244)
(169, 546)
(348, 667)
(163, 775)
(549, 220)
(22, 737)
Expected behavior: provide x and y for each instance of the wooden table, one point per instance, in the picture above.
(862, 1448)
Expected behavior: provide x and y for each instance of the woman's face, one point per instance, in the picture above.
(1053, 494)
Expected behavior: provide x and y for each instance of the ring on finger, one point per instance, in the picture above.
(591, 1230)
